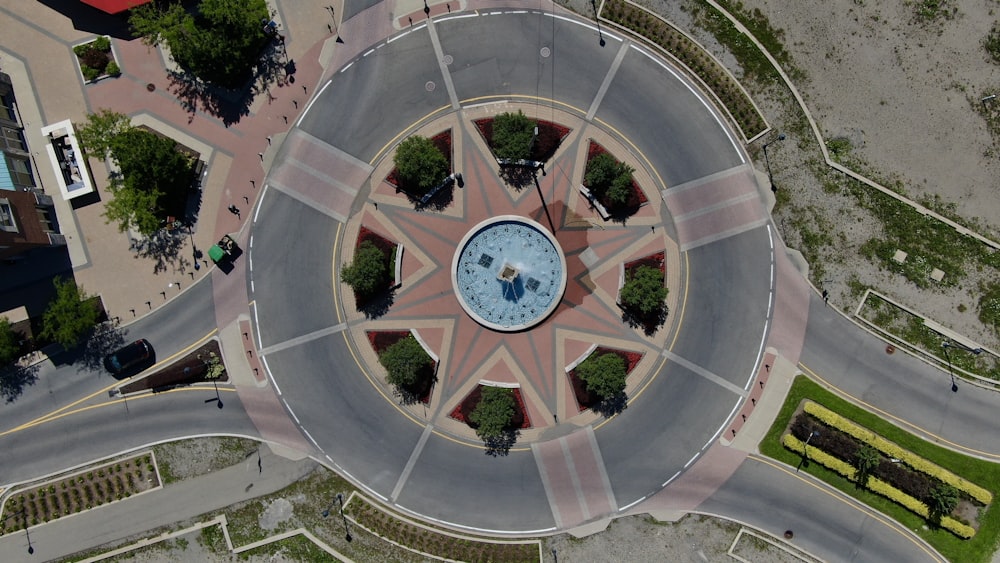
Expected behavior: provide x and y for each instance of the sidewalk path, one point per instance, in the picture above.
(167, 506)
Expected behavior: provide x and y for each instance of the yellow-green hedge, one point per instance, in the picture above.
(893, 450)
(877, 486)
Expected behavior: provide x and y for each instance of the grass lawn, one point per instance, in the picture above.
(986, 474)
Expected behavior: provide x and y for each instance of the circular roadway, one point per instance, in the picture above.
(619, 90)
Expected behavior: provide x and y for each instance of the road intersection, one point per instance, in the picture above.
(743, 307)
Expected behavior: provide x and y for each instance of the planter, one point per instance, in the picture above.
(96, 59)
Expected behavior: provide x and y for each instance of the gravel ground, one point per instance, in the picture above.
(905, 93)
(191, 458)
(694, 538)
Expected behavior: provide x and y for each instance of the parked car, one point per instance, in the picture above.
(128, 357)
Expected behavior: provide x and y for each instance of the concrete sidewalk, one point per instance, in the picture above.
(169, 505)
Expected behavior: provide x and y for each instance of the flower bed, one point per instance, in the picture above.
(381, 340)
(462, 411)
(424, 540)
(443, 143)
(899, 475)
(550, 136)
(657, 261)
(876, 485)
(78, 492)
(638, 197)
(642, 22)
(96, 59)
(585, 399)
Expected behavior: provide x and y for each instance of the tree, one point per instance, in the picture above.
(942, 500)
(69, 315)
(609, 179)
(130, 207)
(405, 361)
(368, 273)
(220, 44)
(512, 135)
(101, 128)
(494, 412)
(644, 291)
(420, 164)
(604, 374)
(10, 349)
(868, 460)
(213, 366)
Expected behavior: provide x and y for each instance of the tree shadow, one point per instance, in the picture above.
(164, 248)
(106, 338)
(497, 446)
(14, 378)
(517, 176)
(231, 105)
(419, 392)
(377, 305)
(610, 406)
(649, 323)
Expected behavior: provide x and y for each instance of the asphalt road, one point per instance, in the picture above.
(526, 57)
(855, 362)
(103, 429)
(824, 522)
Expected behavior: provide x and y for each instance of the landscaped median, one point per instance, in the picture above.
(942, 496)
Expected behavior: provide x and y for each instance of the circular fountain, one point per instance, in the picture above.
(509, 273)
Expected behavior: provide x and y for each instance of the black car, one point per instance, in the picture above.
(128, 357)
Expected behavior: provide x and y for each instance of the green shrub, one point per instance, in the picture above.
(992, 43)
(494, 412)
(102, 43)
(644, 291)
(604, 374)
(89, 74)
(404, 362)
(512, 135)
(368, 273)
(112, 69)
(420, 164)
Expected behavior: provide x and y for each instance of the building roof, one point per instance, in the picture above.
(114, 6)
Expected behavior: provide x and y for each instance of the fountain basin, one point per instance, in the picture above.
(509, 273)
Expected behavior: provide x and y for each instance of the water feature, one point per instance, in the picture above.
(509, 273)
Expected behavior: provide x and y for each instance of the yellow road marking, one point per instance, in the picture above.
(855, 504)
(884, 414)
(109, 387)
(119, 401)
(336, 284)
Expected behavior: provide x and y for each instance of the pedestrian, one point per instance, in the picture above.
(234, 210)
(826, 296)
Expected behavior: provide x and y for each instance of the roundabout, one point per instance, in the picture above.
(702, 221)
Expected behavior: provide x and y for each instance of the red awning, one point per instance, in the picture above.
(114, 6)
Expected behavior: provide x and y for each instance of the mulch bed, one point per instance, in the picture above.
(174, 375)
(584, 398)
(462, 411)
(443, 143)
(383, 339)
(550, 136)
(637, 199)
(656, 261)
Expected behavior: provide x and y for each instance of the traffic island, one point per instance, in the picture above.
(195, 367)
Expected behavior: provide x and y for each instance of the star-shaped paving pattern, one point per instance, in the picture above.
(534, 360)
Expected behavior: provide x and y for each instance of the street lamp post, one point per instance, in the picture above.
(347, 532)
(805, 449)
(951, 369)
(597, 20)
(767, 163)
